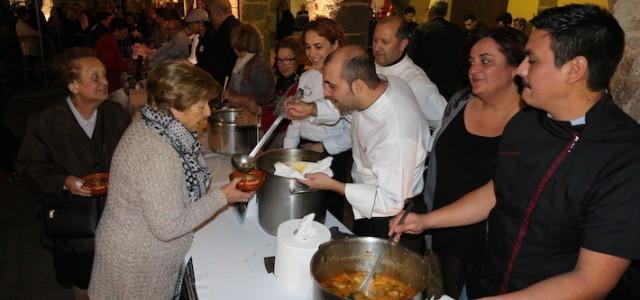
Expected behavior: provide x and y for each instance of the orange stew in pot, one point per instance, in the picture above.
(381, 286)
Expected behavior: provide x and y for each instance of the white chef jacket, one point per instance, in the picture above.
(390, 144)
(429, 99)
(334, 135)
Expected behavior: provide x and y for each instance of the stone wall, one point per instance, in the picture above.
(353, 17)
(626, 82)
(262, 13)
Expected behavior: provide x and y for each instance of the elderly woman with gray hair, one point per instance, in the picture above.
(73, 137)
(159, 190)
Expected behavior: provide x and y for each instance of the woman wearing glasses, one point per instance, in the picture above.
(289, 65)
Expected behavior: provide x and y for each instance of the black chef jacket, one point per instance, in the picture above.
(591, 201)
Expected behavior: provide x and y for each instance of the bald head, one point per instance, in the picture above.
(399, 24)
(218, 10)
(391, 39)
(356, 65)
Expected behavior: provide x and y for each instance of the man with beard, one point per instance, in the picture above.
(390, 139)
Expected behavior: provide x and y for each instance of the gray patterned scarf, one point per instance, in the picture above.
(186, 144)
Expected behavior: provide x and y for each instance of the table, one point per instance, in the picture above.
(228, 257)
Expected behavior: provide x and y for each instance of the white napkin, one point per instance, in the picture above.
(322, 166)
(305, 230)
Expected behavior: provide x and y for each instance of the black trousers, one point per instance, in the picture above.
(379, 227)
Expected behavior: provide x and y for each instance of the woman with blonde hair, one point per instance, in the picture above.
(160, 190)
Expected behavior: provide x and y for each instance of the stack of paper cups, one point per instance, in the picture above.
(293, 256)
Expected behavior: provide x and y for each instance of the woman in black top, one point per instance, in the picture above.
(466, 146)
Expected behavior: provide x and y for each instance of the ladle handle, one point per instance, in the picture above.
(266, 136)
(404, 215)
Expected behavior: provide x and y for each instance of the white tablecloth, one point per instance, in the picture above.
(228, 257)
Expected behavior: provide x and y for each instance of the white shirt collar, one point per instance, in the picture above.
(575, 122)
(87, 125)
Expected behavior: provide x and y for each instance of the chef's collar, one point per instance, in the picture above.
(395, 61)
(575, 122)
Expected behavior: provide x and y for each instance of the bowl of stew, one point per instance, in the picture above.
(339, 266)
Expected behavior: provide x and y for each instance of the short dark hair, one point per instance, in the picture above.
(296, 46)
(439, 9)
(584, 30)
(471, 17)
(520, 21)
(357, 65)
(505, 18)
(410, 10)
(510, 41)
(67, 68)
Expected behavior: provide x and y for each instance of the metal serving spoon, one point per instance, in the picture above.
(245, 163)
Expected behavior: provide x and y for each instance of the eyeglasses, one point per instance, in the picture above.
(286, 61)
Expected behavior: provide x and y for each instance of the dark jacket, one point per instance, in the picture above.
(96, 32)
(218, 57)
(257, 81)
(55, 146)
(590, 201)
(285, 25)
(437, 47)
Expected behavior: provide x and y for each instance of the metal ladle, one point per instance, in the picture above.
(245, 163)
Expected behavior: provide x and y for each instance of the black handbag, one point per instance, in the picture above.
(79, 219)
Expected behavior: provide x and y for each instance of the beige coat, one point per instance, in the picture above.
(146, 228)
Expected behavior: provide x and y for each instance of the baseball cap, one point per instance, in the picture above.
(197, 15)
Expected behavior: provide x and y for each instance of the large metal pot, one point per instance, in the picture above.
(228, 136)
(359, 254)
(281, 199)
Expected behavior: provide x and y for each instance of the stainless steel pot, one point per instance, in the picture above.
(227, 136)
(281, 199)
(359, 254)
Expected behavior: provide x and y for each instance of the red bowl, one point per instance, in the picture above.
(97, 183)
(251, 181)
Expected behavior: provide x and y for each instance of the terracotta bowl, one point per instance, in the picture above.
(251, 181)
(97, 183)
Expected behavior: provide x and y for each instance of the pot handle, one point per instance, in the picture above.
(302, 190)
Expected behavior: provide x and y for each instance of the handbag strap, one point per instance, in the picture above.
(524, 225)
